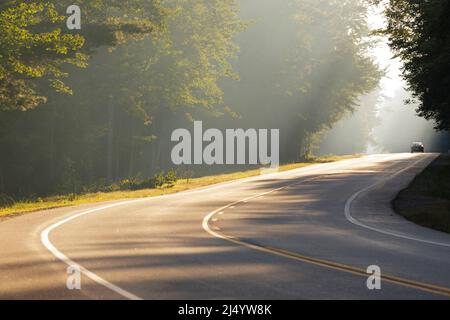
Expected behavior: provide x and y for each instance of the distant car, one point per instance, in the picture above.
(417, 147)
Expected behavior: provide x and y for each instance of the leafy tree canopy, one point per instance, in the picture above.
(419, 33)
(35, 44)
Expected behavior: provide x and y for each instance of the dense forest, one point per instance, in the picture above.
(81, 109)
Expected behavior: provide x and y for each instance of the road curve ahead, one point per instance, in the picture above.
(310, 233)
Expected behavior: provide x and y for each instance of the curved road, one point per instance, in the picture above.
(309, 233)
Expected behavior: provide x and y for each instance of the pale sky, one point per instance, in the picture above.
(393, 81)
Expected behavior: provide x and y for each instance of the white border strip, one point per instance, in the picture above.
(354, 221)
(46, 242)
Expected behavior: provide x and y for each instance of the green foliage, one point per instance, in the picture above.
(158, 180)
(171, 178)
(309, 75)
(157, 65)
(419, 33)
(36, 45)
(29, 51)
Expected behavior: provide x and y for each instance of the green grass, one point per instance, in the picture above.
(181, 185)
(426, 201)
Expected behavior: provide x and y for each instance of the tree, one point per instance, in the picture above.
(157, 65)
(27, 54)
(36, 46)
(419, 33)
(184, 66)
(303, 65)
(139, 84)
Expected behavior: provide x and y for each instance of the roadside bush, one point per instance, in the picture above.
(128, 184)
(171, 178)
(114, 187)
(158, 180)
(5, 200)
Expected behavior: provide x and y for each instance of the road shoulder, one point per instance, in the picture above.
(372, 208)
(426, 200)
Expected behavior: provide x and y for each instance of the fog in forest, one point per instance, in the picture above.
(384, 122)
(392, 128)
(305, 67)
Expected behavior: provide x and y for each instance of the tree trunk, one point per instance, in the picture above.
(110, 142)
(52, 145)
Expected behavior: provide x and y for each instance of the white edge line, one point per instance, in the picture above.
(47, 243)
(354, 221)
(208, 217)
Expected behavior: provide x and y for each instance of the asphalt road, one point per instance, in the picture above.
(309, 233)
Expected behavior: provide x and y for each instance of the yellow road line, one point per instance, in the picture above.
(310, 260)
(341, 267)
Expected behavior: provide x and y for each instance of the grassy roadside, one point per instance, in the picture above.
(181, 185)
(426, 201)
